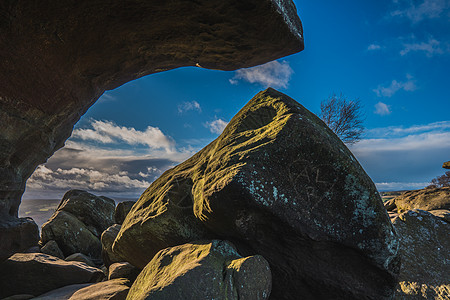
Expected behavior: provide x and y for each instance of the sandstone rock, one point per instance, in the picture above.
(390, 205)
(58, 59)
(425, 251)
(16, 235)
(37, 273)
(279, 183)
(203, 270)
(122, 210)
(116, 289)
(444, 214)
(97, 213)
(71, 235)
(108, 236)
(123, 270)
(63, 293)
(81, 258)
(446, 165)
(425, 199)
(51, 248)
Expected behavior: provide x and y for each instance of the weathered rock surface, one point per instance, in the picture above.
(107, 240)
(446, 165)
(16, 235)
(390, 205)
(279, 183)
(122, 210)
(203, 270)
(51, 248)
(425, 199)
(96, 212)
(71, 235)
(444, 214)
(57, 59)
(123, 270)
(116, 289)
(37, 273)
(425, 251)
(63, 293)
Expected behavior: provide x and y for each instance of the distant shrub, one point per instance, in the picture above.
(440, 181)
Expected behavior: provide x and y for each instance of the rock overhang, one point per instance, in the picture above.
(57, 59)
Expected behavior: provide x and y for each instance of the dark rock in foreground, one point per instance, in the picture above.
(16, 235)
(279, 183)
(425, 250)
(37, 273)
(123, 270)
(107, 240)
(203, 270)
(424, 199)
(52, 248)
(71, 235)
(96, 212)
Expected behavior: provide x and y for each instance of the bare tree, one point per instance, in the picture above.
(344, 117)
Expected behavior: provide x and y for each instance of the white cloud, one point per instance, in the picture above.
(273, 74)
(108, 132)
(382, 109)
(417, 11)
(395, 86)
(398, 157)
(431, 47)
(216, 126)
(373, 47)
(188, 106)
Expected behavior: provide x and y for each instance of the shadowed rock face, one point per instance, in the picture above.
(58, 57)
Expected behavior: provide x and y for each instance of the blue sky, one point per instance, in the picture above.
(394, 55)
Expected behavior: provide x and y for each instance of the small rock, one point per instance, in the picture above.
(16, 235)
(203, 270)
(107, 240)
(122, 210)
(51, 248)
(81, 258)
(38, 273)
(123, 270)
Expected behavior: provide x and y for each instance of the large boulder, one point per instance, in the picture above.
(203, 270)
(279, 183)
(63, 293)
(96, 212)
(37, 273)
(425, 251)
(16, 235)
(446, 165)
(71, 235)
(57, 60)
(425, 199)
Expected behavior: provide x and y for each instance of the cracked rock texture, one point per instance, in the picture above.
(58, 57)
(279, 183)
